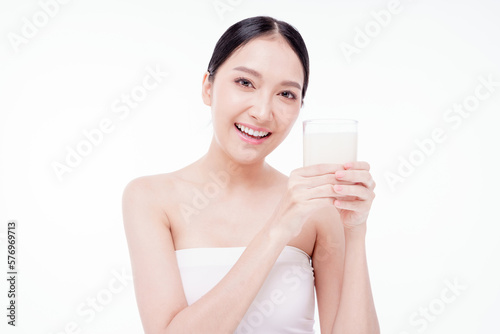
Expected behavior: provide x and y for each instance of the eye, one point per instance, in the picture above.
(244, 82)
(287, 94)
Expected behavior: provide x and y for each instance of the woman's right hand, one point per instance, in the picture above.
(309, 189)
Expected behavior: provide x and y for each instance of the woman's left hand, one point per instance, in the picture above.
(355, 190)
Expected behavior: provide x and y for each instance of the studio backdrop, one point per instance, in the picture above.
(97, 93)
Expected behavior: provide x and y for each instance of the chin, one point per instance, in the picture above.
(249, 158)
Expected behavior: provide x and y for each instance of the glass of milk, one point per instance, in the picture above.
(330, 141)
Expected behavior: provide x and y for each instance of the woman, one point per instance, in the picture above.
(225, 244)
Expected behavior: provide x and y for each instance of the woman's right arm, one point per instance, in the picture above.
(158, 286)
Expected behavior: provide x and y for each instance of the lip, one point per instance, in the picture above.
(253, 141)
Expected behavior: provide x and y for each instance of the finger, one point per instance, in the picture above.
(316, 181)
(319, 169)
(356, 176)
(358, 191)
(357, 165)
(357, 206)
(324, 191)
(326, 201)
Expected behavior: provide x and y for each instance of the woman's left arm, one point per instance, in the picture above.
(345, 299)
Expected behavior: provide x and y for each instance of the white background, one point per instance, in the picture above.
(438, 225)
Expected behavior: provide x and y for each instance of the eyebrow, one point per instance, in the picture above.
(258, 75)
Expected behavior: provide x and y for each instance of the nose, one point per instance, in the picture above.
(262, 110)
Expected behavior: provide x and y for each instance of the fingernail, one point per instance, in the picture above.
(337, 188)
(339, 174)
(348, 165)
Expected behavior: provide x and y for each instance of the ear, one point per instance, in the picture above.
(206, 90)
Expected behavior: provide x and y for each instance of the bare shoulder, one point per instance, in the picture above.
(149, 194)
(149, 188)
(279, 179)
(149, 185)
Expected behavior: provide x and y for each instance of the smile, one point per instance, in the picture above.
(251, 133)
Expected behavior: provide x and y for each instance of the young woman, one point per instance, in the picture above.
(228, 244)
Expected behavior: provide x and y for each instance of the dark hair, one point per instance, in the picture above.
(243, 31)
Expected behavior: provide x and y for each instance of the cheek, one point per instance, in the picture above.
(229, 99)
(287, 114)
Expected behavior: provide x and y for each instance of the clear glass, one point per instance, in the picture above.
(330, 141)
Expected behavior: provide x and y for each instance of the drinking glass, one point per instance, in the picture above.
(330, 141)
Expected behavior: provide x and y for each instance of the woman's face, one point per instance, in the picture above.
(255, 98)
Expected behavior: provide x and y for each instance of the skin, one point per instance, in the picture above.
(321, 209)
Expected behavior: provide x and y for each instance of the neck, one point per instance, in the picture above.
(240, 174)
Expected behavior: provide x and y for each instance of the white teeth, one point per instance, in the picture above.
(251, 132)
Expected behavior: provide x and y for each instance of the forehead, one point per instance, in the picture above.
(271, 56)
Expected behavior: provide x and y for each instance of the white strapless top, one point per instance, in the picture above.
(284, 304)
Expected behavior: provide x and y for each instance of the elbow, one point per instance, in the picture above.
(154, 326)
(157, 330)
(171, 326)
(375, 329)
(371, 328)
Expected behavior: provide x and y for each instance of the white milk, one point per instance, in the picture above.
(337, 148)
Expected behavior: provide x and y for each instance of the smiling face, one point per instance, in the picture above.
(255, 98)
